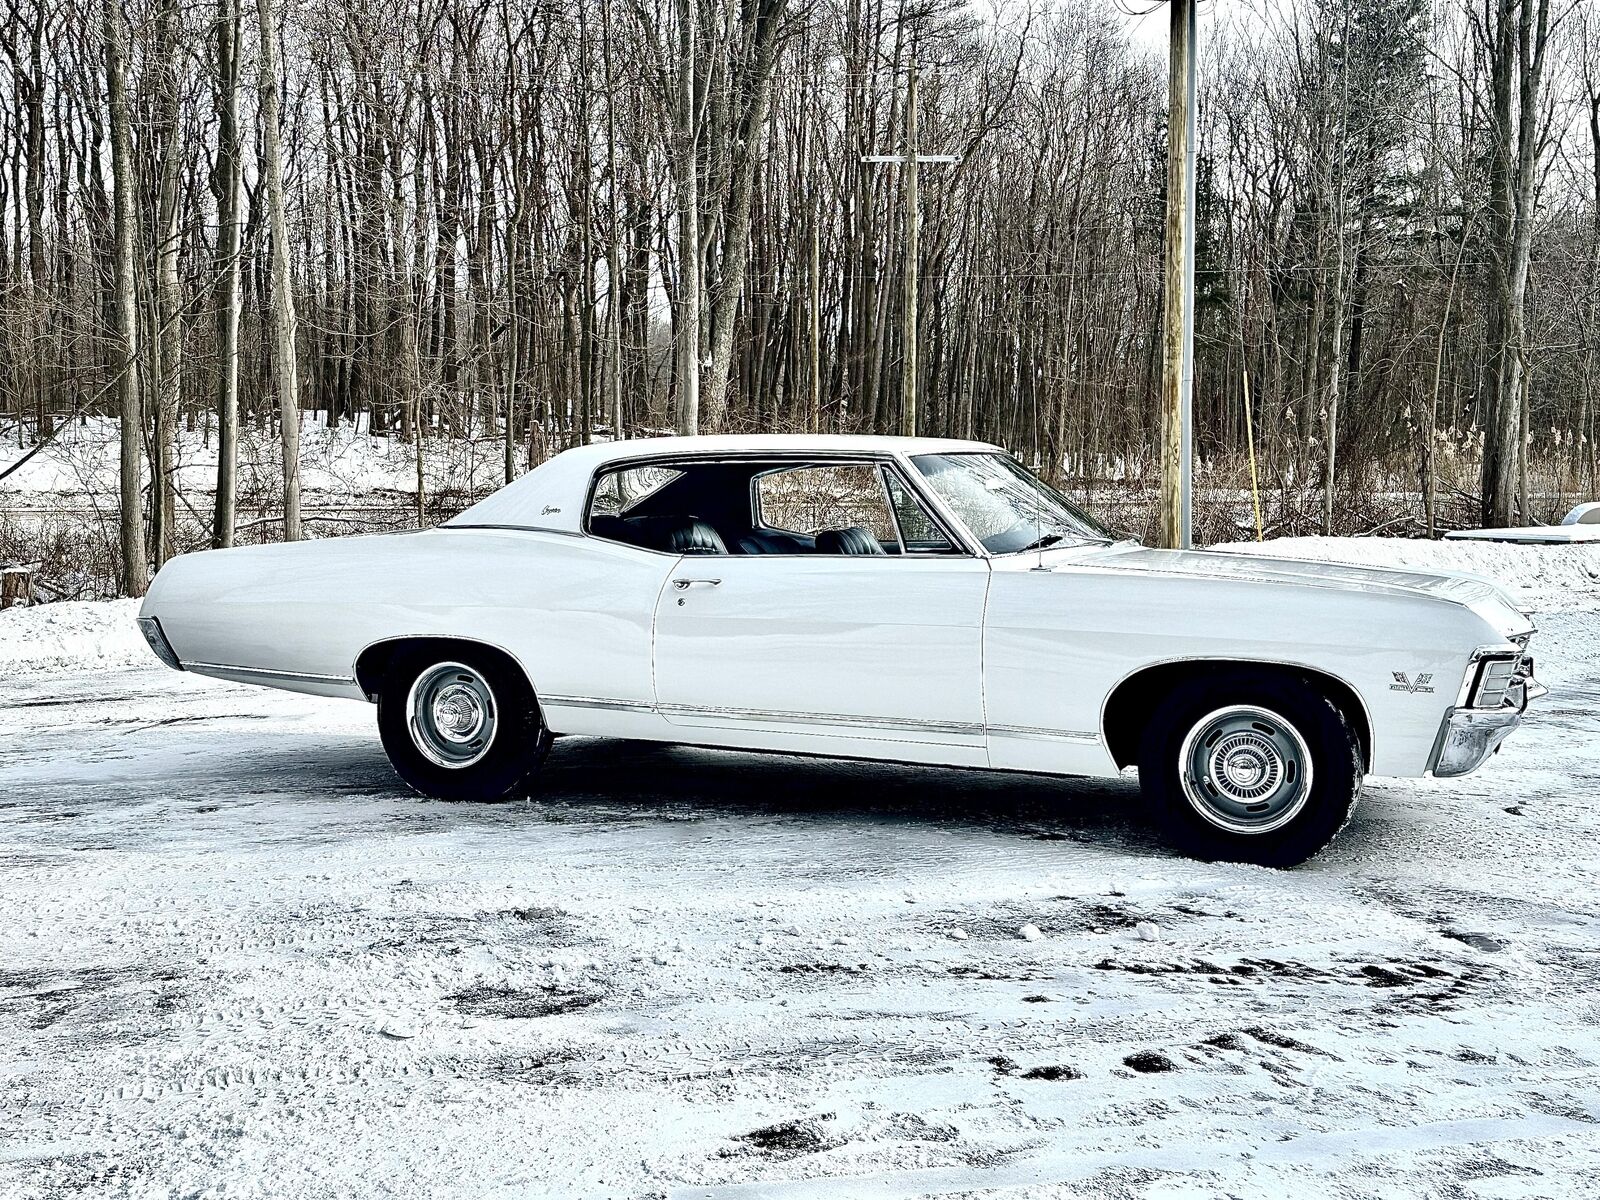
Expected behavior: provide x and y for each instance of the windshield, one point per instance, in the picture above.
(1005, 507)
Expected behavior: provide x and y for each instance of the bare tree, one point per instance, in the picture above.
(166, 346)
(125, 316)
(744, 119)
(686, 322)
(227, 181)
(424, 225)
(284, 360)
(1513, 37)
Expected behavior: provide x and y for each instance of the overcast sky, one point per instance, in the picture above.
(1148, 19)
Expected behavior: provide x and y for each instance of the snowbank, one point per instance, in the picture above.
(72, 635)
(1543, 576)
(345, 460)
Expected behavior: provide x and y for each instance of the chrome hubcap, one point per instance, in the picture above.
(1245, 769)
(451, 714)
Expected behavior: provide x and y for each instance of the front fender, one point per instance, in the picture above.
(1059, 642)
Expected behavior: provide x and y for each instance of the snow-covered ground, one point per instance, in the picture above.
(237, 959)
(345, 461)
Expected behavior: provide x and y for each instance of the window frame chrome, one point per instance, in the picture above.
(888, 502)
(983, 551)
(963, 546)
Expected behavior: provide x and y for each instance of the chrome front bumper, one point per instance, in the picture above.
(1468, 736)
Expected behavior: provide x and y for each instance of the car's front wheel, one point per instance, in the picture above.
(1242, 768)
(460, 724)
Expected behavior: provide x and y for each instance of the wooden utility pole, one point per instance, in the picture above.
(910, 198)
(1177, 376)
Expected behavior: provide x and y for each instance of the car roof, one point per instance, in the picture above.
(552, 495)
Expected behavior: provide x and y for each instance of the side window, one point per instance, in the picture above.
(918, 531)
(813, 499)
(641, 506)
(618, 490)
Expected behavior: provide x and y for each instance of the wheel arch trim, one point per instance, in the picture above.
(1361, 714)
(361, 668)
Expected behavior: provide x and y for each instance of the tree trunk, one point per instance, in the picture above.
(1518, 39)
(227, 268)
(686, 329)
(750, 145)
(168, 341)
(124, 308)
(614, 287)
(286, 368)
(913, 251)
(44, 422)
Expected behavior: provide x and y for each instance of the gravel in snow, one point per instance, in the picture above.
(239, 959)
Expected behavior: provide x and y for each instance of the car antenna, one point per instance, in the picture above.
(1038, 524)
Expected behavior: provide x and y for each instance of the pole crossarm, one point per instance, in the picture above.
(911, 159)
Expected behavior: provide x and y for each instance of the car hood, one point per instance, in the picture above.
(1483, 596)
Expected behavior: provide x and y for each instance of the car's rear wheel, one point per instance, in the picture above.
(461, 724)
(1250, 768)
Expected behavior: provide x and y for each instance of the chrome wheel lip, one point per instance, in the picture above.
(1228, 744)
(451, 715)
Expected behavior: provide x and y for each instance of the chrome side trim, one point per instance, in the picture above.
(299, 676)
(878, 724)
(640, 706)
(1041, 733)
(770, 716)
(570, 533)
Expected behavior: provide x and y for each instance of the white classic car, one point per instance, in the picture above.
(913, 600)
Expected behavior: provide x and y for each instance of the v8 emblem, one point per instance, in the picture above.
(1423, 683)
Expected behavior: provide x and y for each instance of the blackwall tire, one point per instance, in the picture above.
(461, 725)
(1256, 768)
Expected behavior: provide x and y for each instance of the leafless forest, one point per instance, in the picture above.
(524, 225)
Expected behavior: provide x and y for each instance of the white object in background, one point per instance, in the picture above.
(1581, 525)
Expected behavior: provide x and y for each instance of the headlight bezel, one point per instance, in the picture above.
(1497, 675)
(1493, 682)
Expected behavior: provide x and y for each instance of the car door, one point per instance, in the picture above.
(851, 653)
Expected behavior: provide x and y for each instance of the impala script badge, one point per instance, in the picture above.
(1401, 683)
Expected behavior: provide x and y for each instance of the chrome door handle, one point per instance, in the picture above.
(680, 584)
